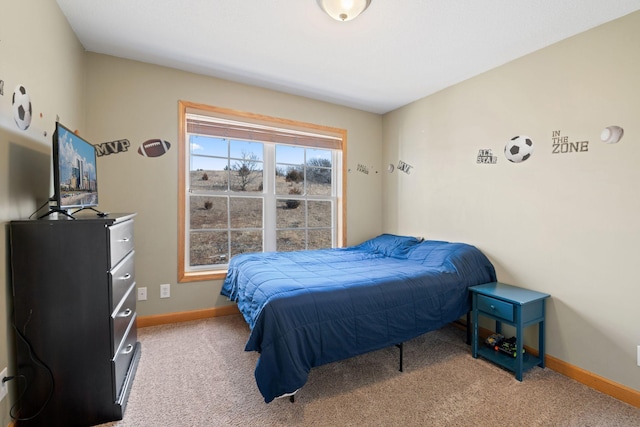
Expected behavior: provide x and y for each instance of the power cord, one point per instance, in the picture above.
(36, 360)
(38, 210)
(13, 377)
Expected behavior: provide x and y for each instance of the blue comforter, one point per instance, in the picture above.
(309, 308)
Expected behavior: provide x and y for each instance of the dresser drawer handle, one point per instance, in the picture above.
(128, 349)
(493, 307)
(124, 240)
(127, 312)
(126, 276)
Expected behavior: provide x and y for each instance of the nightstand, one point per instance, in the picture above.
(514, 306)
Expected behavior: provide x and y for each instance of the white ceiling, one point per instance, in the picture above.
(396, 52)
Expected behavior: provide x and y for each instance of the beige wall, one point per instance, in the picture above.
(566, 224)
(108, 99)
(39, 51)
(136, 101)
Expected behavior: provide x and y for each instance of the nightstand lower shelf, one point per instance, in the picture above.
(506, 361)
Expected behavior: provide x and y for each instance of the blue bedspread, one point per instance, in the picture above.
(309, 308)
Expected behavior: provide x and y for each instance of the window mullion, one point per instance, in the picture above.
(269, 197)
(229, 245)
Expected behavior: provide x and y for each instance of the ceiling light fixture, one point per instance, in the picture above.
(344, 10)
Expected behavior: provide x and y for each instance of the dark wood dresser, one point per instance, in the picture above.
(74, 314)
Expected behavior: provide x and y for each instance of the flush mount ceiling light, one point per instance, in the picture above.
(344, 10)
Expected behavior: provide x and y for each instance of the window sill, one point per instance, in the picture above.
(201, 276)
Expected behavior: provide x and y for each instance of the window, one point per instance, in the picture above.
(251, 183)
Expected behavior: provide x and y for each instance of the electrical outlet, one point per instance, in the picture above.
(165, 291)
(142, 294)
(4, 385)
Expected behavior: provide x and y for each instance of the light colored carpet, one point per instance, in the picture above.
(198, 374)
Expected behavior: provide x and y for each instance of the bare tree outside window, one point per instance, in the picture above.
(319, 171)
(247, 169)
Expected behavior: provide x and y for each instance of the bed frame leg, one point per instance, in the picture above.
(401, 347)
(468, 328)
(292, 398)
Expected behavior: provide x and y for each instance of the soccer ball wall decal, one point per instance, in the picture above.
(518, 149)
(21, 107)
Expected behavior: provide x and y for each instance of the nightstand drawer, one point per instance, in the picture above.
(496, 308)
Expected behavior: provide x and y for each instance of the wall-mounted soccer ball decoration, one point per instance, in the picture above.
(21, 104)
(518, 149)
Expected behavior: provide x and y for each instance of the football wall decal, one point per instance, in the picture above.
(154, 148)
(518, 149)
(21, 104)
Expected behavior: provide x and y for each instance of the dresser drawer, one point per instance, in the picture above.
(121, 278)
(120, 241)
(495, 307)
(120, 363)
(122, 317)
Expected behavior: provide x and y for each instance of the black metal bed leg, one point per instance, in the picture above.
(401, 347)
(292, 398)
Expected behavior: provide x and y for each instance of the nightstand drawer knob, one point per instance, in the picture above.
(493, 307)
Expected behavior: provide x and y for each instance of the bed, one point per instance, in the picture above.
(309, 308)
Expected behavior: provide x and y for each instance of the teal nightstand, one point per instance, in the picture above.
(514, 306)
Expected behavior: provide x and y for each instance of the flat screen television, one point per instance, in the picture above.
(75, 179)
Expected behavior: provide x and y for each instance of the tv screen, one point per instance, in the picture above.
(74, 170)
